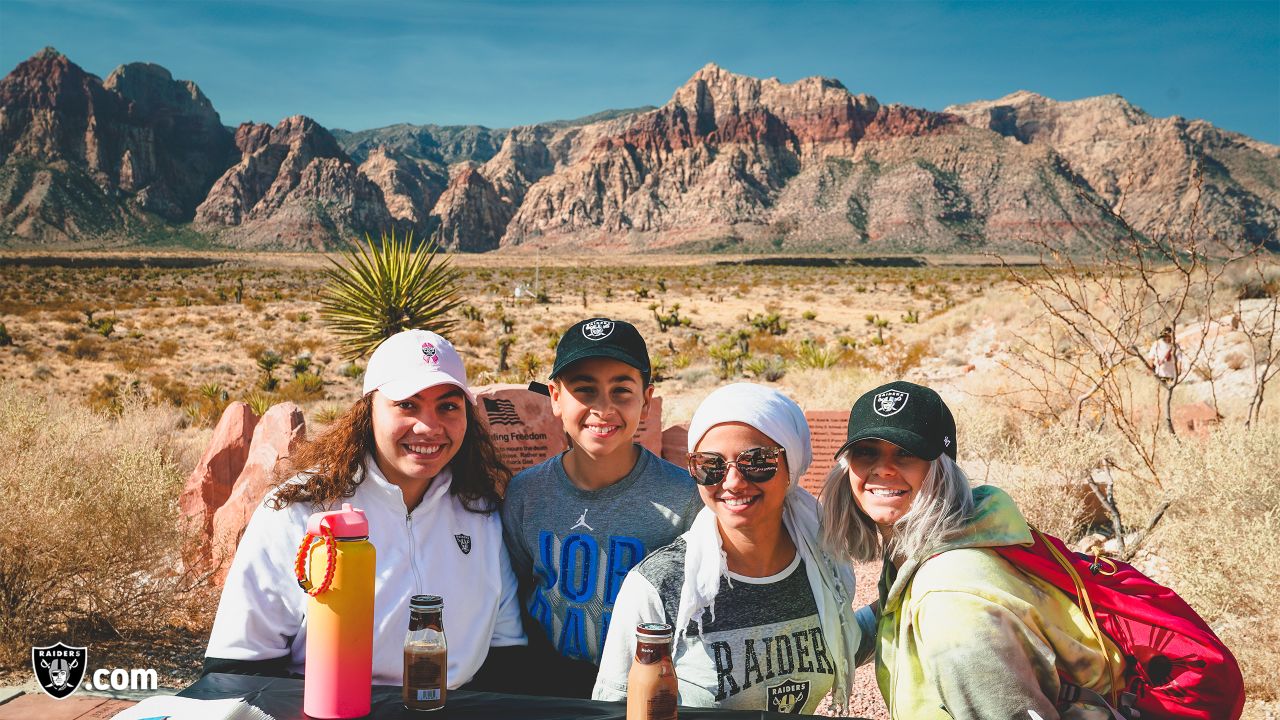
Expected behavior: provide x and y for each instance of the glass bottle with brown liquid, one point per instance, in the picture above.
(651, 682)
(425, 654)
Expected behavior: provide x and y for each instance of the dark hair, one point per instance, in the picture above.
(329, 467)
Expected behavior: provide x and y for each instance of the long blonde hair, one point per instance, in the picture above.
(941, 509)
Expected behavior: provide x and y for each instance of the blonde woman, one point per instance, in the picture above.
(962, 633)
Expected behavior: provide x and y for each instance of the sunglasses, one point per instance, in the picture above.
(756, 465)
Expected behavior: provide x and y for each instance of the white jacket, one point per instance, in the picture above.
(439, 549)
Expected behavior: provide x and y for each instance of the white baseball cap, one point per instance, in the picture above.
(411, 361)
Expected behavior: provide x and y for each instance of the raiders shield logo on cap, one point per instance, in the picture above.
(597, 329)
(59, 668)
(890, 402)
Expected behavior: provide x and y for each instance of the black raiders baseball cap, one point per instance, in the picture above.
(600, 338)
(910, 416)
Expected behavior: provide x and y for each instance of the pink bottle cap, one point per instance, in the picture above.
(348, 522)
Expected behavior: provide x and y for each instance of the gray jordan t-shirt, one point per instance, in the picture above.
(572, 548)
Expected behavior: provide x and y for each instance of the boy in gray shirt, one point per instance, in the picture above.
(576, 523)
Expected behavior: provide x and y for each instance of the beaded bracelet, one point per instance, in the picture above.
(300, 565)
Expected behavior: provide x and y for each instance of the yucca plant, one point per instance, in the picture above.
(386, 287)
(809, 354)
(259, 402)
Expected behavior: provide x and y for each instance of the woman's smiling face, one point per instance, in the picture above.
(739, 504)
(885, 479)
(417, 437)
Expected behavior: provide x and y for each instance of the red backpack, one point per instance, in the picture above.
(1175, 666)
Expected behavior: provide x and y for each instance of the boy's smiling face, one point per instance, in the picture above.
(600, 403)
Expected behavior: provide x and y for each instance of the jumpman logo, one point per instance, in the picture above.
(582, 522)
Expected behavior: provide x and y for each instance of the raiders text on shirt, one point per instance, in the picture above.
(760, 646)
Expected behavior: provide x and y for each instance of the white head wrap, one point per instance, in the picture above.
(781, 419)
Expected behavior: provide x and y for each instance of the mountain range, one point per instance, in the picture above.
(730, 162)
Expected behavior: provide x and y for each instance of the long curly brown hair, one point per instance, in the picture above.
(330, 465)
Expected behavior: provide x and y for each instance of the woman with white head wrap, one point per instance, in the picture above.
(761, 613)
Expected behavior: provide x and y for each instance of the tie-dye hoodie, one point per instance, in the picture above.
(964, 634)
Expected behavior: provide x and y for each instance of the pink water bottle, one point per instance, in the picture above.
(339, 667)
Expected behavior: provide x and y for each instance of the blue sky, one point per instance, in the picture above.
(366, 64)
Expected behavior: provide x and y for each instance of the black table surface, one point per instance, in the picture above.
(282, 699)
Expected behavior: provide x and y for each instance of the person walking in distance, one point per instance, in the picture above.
(1165, 357)
(1165, 360)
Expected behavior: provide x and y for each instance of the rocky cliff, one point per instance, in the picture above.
(1158, 173)
(730, 162)
(738, 162)
(443, 145)
(294, 189)
(86, 157)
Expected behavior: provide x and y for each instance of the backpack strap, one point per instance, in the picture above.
(1086, 606)
(1069, 692)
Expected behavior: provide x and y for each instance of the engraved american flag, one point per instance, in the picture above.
(501, 412)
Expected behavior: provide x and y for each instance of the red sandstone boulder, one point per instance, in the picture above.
(521, 424)
(210, 484)
(1196, 418)
(675, 443)
(649, 434)
(274, 438)
(828, 430)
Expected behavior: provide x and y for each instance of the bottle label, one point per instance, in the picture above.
(425, 670)
(432, 694)
(662, 706)
(650, 653)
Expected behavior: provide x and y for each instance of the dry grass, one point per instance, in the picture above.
(93, 542)
(1218, 543)
(1042, 468)
(187, 324)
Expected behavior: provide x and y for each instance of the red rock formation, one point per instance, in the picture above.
(1158, 173)
(281, 428)
(730, 162)
(293, 188)
(83, 156)
(675, 443)
(471, 214)
(210, 484)
(805, 165)
(54, 110)
(409, 186)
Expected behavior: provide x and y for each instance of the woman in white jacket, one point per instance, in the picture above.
(414, 455)
(761, 614)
